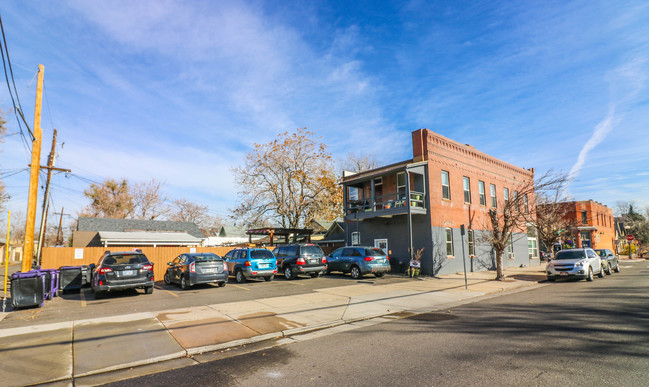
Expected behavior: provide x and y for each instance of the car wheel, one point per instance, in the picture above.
(167, 278)
(288, 273)
(378, 275)
(356, 272)
(608, 269)
(601, 271)
(314, 275)
(269, 278)
(184, 284)
(239, 277)
(617, 267)
(590, 274)
(148, 290)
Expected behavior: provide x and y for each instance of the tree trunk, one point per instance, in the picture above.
(500, 269)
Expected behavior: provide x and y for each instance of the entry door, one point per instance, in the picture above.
(382, 244)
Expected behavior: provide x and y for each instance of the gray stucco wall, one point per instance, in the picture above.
(433, 241)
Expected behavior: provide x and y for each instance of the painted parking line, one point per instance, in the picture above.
(237, 286)
(165, 290)
(82, 294)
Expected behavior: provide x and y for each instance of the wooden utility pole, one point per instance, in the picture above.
(59, 237)
(46, 202)
(28, 245)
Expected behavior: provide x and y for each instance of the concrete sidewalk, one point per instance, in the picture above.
(87, 349)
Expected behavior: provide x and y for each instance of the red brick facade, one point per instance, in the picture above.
(460, 161)
(593, 224)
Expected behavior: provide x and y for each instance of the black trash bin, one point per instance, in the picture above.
(27, 289)
(71, 278)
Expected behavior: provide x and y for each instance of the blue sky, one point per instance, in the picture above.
(179, 91)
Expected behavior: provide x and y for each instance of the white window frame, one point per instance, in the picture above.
(532, 248)
(470, 240)
(446, 185)
(466, 184)
(482, 193)
(492, 193)
(449, 242)
(378, 242)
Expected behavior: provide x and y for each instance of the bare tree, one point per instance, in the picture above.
(549, 217)
(512, 215)
(183, 210)
(289, 181)
(358, 162)
(148, 200)
(111, 199)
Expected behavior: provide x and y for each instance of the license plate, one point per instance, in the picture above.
(263, 266)
(208, 270)
(313, 261)
(127, 273)
(564, 273)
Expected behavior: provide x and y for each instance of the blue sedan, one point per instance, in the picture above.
(358, 261)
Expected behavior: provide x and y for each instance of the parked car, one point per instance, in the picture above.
(358, 261)
(609, 260)
(251, 263)
(196, 268)
(122, 270)
(575, 263)
(300, 258)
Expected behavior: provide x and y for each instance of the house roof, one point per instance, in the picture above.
(112, 238)
(123, 225)
(233, 232)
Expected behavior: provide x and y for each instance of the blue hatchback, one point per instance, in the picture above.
(359, 260)
(251, 263)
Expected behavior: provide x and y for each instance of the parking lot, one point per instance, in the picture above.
(77, 305)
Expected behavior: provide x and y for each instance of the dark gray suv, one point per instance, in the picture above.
(300, 258)
(122, 270)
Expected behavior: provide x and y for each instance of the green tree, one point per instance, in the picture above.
(111, 199)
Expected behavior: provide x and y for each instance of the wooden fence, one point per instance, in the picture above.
(55, 257)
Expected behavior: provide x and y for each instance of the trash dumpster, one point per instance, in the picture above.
(27, 289)
(71, 278)
(50, 282)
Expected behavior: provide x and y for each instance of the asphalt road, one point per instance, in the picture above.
(569, 333)
(78, 305)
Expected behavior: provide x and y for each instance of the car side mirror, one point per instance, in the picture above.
(168, 263)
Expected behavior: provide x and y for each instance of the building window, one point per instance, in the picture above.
(492, 191)
(401, 186)
(467, 190)
(510, 248)
(585, 239)
(446, 186)
(532, 248)
(526, 204)
(584, 217)
(506, 195)
(449, 241)
(471, 242)
(517, 204)
(483, 198)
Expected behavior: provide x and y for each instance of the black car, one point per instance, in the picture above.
(122, 270)
(196, 268)
(300, 258)
(609, 260)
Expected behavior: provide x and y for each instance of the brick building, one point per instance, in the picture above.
(592, 224)
(422, 202)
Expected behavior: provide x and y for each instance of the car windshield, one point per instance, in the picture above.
(207, 257)
(132, 259)
(261, 254)
(570, 254)
(311, 250)
(375, 252)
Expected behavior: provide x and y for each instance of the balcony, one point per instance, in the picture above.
(386, 194)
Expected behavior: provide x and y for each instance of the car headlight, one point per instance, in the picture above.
(580, 264)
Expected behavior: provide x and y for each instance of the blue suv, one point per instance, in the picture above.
(359, 260)
(251, 263)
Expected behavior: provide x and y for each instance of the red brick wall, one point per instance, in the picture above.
(598, 216)
(464, 160)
